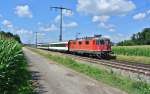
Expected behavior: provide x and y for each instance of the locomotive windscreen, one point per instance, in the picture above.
(100, 42)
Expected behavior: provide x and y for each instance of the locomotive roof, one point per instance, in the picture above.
(89, 38)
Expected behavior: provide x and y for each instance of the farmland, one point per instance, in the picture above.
(139, 54)
(132, 50)
(14, 76)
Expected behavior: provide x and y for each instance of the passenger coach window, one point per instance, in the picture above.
(58, 45)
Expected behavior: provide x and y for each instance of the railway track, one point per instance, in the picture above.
(139, 68)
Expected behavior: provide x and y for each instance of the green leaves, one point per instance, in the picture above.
(13, 73)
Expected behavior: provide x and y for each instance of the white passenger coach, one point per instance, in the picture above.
(60, 46)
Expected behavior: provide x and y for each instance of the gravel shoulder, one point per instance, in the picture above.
(52, 78)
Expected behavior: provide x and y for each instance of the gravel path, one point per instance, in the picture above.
(51, 78)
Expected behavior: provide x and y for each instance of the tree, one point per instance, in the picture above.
(8, 35)
(140, 38)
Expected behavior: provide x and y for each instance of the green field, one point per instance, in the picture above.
(14, 76)
(133, 54)
(132, 50)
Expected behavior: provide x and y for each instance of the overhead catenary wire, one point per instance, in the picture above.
(61, 18)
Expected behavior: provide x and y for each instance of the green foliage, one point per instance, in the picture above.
(10, 36)
(124, 83)
(126, 43)
(14, 77)
(141, 38)
(132, 50)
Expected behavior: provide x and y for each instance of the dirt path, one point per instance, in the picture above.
(55, 79)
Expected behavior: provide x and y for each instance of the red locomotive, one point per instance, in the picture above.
(94, 46)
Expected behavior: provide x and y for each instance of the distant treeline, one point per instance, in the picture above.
(8, 35)
(140, 38)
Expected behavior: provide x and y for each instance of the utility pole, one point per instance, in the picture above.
(61, 19)
(36, 39)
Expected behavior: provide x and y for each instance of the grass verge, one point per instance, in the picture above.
(133, 59)
(124, 83)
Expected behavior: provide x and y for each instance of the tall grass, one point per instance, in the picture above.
(14, 77)
(132, 50)
(124, 83)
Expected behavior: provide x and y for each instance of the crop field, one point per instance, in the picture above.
(14, 77)
(132, 50)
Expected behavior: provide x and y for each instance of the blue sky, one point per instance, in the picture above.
(116, 19)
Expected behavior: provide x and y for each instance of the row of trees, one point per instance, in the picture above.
(140, 38)
(8, 35)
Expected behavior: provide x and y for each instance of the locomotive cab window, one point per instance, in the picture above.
(107, 41)
(100, 42)
(80, 42)
(87, 42)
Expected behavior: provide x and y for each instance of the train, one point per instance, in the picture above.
(89, 46)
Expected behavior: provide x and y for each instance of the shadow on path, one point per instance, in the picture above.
(36, 77)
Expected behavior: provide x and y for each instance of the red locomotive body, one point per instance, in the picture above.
(91, 45)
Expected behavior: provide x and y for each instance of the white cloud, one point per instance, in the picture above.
(7, 24)
(22, 31)
(102, 18)
(70, 25)
(139, 16)
(23, 11)
(117, 37)
(148, 12)
(41, 34)
(142, 15)
(107, 36)
(57, 19)
(109, 27)
(50, 28)
(103, 10)
(112, 29)
(65, 25)
(67, 13)
(105, 7)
